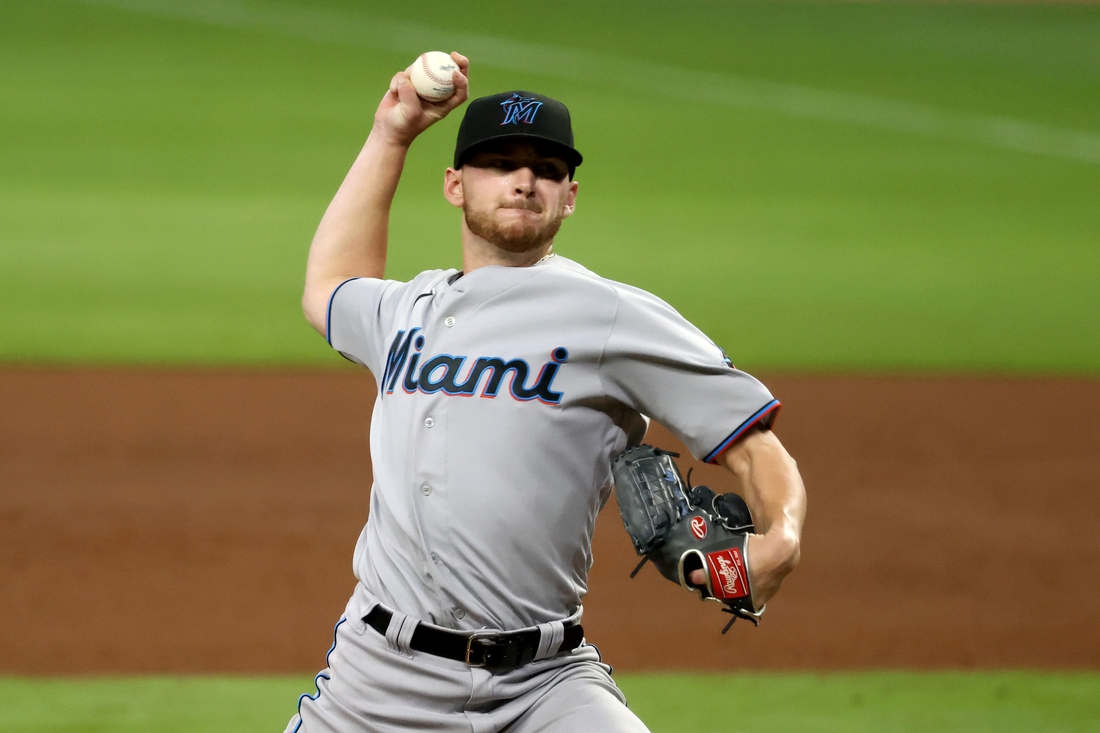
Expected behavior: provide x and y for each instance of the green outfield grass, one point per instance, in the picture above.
(817, 185)
(993, 702)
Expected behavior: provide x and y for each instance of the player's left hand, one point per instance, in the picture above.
(765, 559)
(681, 528)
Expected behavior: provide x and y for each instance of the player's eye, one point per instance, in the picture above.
(550, 171)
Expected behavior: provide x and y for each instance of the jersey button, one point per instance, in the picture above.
(435, 558)
(449, 321)
(426, 490)
(429, 422)
(460, 613)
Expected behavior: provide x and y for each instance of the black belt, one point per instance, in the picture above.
(493, 651)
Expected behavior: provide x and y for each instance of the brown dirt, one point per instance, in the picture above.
(204, 521)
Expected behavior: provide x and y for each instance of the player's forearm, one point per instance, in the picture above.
(774, 491)
(352, 237)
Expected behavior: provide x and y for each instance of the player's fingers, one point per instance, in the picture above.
(397, 80)
(462, 90)
(462, 61)
(407, 93)
(697, 577)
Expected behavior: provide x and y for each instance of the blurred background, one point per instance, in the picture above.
(890, 212)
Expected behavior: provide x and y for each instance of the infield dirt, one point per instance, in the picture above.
(204, 522)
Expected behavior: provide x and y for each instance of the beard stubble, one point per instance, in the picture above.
(516, 237)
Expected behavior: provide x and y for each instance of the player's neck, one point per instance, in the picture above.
(477, 252)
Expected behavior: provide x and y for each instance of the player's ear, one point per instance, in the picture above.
(570, 204)
(452, 187)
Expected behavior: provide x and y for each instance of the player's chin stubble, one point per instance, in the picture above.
(515, 236)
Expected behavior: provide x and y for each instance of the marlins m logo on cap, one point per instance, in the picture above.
(527, 117)
(520, 109)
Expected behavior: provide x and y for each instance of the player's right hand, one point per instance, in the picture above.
(402, 114)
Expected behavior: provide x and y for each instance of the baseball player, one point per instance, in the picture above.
(504, 391)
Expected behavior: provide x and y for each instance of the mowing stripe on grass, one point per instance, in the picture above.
(363, 29)
(946, 702)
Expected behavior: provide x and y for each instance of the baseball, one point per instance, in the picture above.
(431, 76)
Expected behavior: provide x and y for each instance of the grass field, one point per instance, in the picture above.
(1001, 702)
(817, 185)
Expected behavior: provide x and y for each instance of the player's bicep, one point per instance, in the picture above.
(315, 303)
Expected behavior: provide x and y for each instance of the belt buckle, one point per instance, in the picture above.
(470, 647)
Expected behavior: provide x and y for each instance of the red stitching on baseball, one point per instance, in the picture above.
(428, 71)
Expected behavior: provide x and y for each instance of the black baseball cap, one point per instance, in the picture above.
(516, 116)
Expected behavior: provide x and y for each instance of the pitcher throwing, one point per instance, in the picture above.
(505, 389)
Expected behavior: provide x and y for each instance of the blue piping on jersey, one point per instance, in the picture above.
(599, 658)
(328, 310)
(320, 675)
(758, 416)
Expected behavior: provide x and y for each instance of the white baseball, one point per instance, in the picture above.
(432, 76)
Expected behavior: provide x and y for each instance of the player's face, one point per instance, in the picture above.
(515, 195)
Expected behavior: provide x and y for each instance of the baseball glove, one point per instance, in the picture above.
(681, 528)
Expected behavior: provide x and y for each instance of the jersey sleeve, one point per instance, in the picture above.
(355, 322)
(661, 365)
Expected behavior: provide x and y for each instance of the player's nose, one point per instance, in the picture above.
(524, 181)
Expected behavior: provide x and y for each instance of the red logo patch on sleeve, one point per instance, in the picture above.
(699, 527)
(728, 575)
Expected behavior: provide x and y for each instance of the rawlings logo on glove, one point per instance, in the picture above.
(681, 528)
(727, 574)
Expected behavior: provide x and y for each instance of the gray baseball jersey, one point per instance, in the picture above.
(503, 395)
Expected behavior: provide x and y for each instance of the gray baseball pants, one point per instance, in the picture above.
(375, 683)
